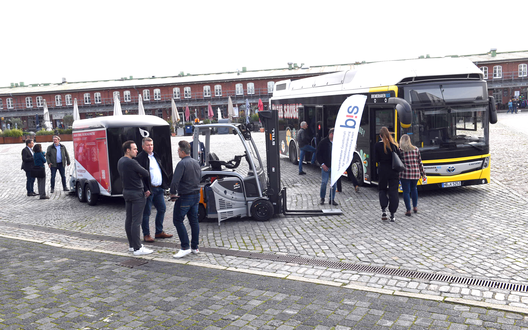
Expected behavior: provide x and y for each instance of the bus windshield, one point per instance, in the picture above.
(449, 116)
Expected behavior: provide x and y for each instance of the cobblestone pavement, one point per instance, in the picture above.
(472, 232)
(46, 287)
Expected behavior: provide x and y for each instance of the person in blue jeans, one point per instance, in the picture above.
(57, 158)
(185, 191)
(413, 172)
(324, 157)
(304, 139)
(156, 183)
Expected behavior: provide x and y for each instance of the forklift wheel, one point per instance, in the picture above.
(262, 210)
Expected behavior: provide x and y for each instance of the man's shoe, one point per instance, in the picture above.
(182, 253)
(392, 218)
(32, 194)
(148, 239)
(131, 249)
(333, 203)
(65, 189)
(322, 201)
(302, 173)
(193, 251)
(44, 197)
(52, 191)
(163, 235)
(383, 215)
(142, 251)
(357, 189)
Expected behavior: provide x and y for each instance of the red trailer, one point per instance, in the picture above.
(97, 145)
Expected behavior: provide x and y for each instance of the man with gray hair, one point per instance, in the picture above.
(57, 158)
(304, 139)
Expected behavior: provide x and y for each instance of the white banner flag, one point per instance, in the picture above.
(345, 134)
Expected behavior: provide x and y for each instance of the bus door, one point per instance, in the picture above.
(380, 116)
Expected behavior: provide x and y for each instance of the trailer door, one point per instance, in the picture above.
(104, 173)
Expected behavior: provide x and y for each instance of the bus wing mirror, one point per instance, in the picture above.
(492, 110)
(404, 111)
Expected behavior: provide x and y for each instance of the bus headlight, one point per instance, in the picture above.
(485, 163)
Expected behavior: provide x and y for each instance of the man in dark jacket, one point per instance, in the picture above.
(57, 158)
(27, 165)
(156, 183)
(304, 139)
(324, 157)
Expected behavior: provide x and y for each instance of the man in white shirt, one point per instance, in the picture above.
(157, 183)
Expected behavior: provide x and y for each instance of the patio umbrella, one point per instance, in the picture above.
(175, 115)
(47, 122)
(247, 111)
(230, 110)
(117, 107)
(210, 111)
(260, 105)
(187, 113)
(141, 108)
(76, 115)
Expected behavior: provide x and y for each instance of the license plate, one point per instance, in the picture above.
(451, 184)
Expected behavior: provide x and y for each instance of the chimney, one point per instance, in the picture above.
(64, 80)
(493, 52)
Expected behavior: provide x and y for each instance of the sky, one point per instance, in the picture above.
(45, 41)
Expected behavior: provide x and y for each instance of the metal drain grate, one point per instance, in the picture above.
(131, 263)
(297, 260)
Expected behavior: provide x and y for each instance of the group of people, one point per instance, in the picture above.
(388, 179)
(34, 161)
(512, 106)
(144, 182)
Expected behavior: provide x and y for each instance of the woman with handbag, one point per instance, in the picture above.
(39, 171)
(414, 171)
(388, 178)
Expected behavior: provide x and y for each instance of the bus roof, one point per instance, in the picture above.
(118, 121)
(380, 74)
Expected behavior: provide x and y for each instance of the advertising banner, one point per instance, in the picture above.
(345, 134)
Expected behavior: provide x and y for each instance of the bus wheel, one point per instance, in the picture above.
(262, 210)
(91, 197)
(80, 192)
(356, 169)
(293, 154)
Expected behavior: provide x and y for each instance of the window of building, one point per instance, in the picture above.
(126, 96)
(116, 94)
(271, 84)
(87, 98)
(29, 102)
(187, 92)
(68, 99)
(40, 103)
(218, 90)
(9, 103)
(523, 72)
(157, 94)
(239, 89)
(484, 70)
(497, 71)
(176, 93)
(207, 91)
(58, 100)
(146, 95)
(251, 88)
(159, 113)
(97, 98)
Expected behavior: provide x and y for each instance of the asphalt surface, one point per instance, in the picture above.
(445, 259)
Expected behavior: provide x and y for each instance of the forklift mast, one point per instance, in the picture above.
(270, 120)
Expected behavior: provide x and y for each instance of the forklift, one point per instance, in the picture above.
(227, 193)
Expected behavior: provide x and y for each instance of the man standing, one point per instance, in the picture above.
(57, 156)
(304, 139)
(156, 183)
(185, 191)
(27, 165)
(324, 157)
(131, 174)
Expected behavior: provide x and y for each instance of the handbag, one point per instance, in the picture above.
(38, 172)
(397, 164)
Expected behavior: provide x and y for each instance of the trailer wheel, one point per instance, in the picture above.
(262, 210)
(80, 192)
(91, 197)
(293, 154)
(356, 169)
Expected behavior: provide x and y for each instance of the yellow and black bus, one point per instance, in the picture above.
(449, 121)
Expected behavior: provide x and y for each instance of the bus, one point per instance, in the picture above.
(449, 116)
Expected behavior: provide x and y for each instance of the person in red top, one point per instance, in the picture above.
(414, 171)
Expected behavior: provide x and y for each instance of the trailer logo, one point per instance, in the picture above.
(143, 132)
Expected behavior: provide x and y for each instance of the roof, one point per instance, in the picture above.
(118, 121)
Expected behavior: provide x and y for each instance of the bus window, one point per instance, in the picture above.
(384, 117)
